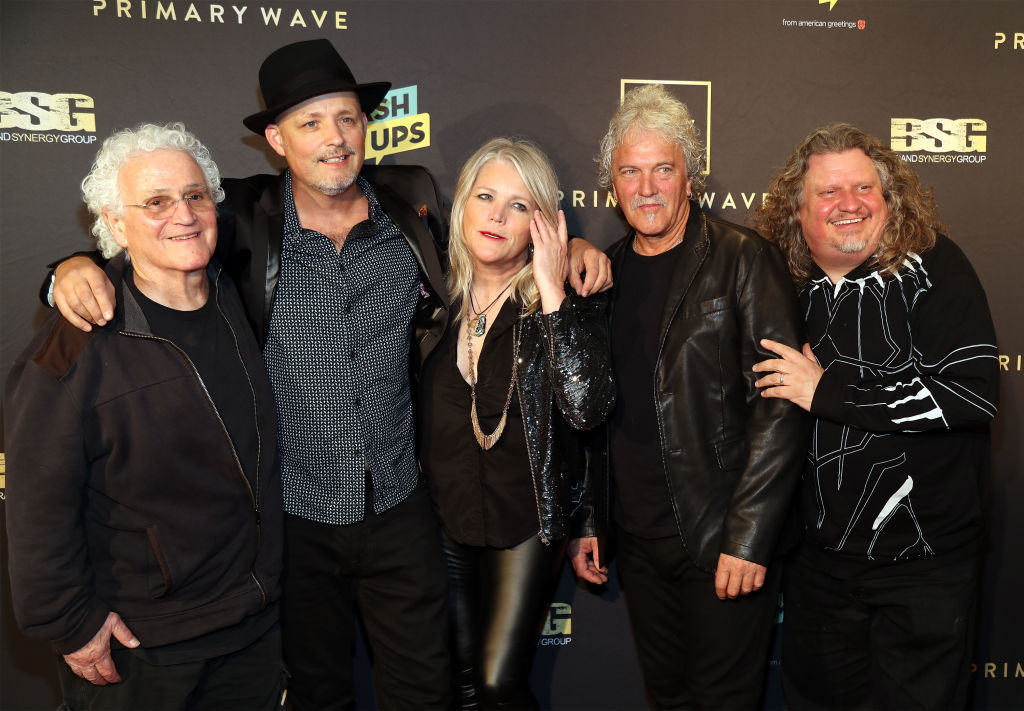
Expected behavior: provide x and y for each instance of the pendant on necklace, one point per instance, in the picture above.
(481, 325)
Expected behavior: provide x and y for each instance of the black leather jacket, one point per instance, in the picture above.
(564, 367)
(732, 458)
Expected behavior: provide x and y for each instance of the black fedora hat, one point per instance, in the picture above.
(302, 70)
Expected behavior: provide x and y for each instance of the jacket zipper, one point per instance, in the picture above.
(253, 496)
(259, 453)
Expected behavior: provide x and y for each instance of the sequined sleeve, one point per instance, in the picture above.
(575, 340)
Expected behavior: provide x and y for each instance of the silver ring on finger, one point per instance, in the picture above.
(782, 378)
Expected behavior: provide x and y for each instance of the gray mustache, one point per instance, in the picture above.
(641, 201)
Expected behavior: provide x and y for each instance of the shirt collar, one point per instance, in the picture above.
(292, 225)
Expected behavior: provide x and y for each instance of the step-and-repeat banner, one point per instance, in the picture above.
(940, 80)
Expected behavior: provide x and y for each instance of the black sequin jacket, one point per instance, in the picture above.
(564, 367)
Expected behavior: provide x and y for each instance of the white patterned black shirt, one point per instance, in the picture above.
(901, 436)
(338, 357)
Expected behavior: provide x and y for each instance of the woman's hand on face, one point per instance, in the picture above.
(550, 259)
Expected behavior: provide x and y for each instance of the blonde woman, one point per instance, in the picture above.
(524, 360)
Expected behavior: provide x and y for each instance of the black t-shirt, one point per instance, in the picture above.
(483, 498)
(642, 505)
(207, 340)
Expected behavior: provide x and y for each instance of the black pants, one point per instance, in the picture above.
(695, 651)
(498, 600)
(895, 640)
(246, 680)
(390, 568)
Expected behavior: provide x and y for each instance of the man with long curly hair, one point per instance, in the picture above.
(900, 371)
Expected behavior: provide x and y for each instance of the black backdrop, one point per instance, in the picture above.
(940, 79)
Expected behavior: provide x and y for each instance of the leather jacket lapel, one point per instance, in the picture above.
(695, 240)
(271, 215)
(415, 233)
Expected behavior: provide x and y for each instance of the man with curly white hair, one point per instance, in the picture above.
(143, 498)
(339, 268)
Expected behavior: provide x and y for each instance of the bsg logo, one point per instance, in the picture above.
(36, 111)
(939, 135)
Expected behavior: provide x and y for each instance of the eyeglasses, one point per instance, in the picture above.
(161, 206)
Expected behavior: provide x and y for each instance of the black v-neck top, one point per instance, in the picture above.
(483, 498)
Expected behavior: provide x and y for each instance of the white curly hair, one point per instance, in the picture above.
(652, 108)
(100, 188)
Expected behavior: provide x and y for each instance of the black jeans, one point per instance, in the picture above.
(389, 568)
(695, 651)
(246, 680)
(498, 599)
(897, 639)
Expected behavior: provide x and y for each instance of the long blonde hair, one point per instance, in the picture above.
(538, 176)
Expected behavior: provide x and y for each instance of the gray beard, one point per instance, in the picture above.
(332, 189)
(851, 247)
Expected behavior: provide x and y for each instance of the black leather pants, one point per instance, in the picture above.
(498, 598)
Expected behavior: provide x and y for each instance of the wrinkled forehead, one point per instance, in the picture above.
(650, 143)
(164, 169)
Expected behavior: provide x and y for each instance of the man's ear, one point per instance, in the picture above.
(273, 134)
(117, 228)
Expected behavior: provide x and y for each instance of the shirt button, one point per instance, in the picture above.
(348, 309)
(351, 355)
(358, 452)
(356, 402)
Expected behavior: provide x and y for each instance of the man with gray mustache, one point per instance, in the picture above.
(702, 468)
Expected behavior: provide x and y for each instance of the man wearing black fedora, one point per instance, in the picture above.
(343, 270)
(339, 267)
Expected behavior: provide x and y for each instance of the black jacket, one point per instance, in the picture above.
(732, 458)
(250, 225)
(124, 492)
(250, 234)
(564, 377)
